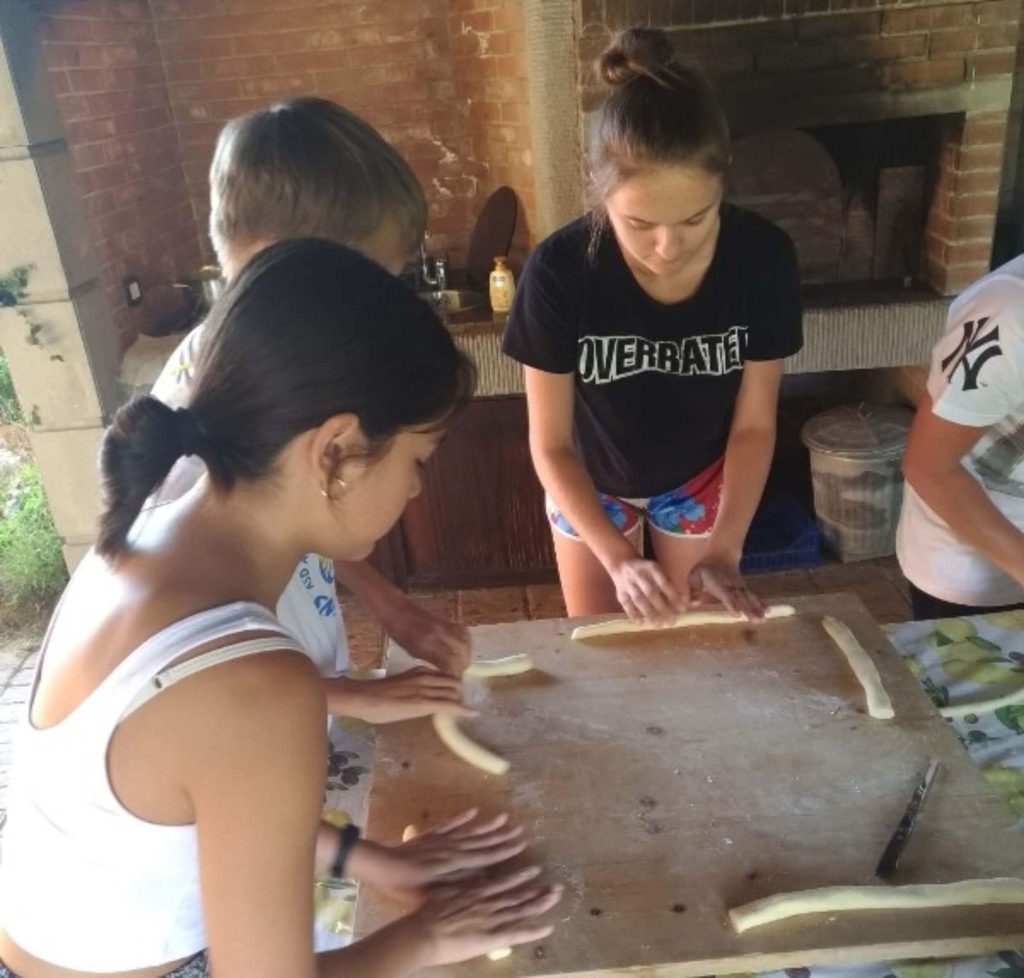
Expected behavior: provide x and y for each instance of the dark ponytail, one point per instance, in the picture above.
(658, 112)
(309, 329)
(139, 449)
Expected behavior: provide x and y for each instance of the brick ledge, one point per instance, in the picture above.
(835, 338)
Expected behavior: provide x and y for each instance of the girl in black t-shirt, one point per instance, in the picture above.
(652, 332)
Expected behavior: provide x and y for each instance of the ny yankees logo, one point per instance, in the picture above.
(985, 347)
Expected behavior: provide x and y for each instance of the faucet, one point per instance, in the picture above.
(433, 270)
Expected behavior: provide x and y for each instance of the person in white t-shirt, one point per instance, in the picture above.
(960, 541)
(310, 168)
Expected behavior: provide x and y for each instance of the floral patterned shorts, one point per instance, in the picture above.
(687, 511)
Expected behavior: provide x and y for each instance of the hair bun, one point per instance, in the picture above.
(639, 51)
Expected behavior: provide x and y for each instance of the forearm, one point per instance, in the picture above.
(391, 952)
(365, 863)
(570, 487)
(962, 503)
(748, 457)
(375, 592)
(343, 697)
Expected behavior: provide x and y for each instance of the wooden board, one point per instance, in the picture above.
(667, 777)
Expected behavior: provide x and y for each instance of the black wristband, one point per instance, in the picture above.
(347, 838)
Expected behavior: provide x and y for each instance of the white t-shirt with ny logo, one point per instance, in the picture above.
(977, 380)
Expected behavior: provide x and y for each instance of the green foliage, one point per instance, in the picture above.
(32, 570)
(10, 412)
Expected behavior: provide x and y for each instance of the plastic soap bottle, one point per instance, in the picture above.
(503, 286)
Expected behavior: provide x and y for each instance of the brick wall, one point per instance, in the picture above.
(144, 88)
(489, 63)
(437, 77)
(105, 67)
(782, 50)
(1011, 193)
(961, 221)
(386, 60)
(926, 42)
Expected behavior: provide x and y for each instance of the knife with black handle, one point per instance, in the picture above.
(886, 867)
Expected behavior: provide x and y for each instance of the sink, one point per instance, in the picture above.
(449, 302)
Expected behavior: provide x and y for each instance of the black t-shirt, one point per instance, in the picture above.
(655, 384)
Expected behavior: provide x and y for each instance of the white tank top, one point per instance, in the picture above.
(84, 883)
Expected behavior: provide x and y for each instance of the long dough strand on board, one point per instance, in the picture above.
(455, 740)
(834, 899)
(879, 705)
(623, 626)
(409, 832)
(957, 710)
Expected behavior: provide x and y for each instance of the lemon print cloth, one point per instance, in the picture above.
(348, 783)
(967, 660)
(963, 660)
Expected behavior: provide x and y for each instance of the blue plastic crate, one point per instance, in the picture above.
(781, 536)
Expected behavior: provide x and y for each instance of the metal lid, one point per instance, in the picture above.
(863, 431)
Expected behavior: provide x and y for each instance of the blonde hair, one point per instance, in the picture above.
(308, 168)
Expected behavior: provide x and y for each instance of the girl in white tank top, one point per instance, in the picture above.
(164, 809)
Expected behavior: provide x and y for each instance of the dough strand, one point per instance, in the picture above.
(623, 626)
(831, 899)
(470, 751)
(455, 740)
(510, 665)
(863, 666)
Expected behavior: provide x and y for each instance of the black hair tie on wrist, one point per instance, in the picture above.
(191, 436)
(347, 838)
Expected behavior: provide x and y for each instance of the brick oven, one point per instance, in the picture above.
(873, 132)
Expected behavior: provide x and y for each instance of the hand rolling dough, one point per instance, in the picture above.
(623, 626)
(967, 893)
(409, 832)
(863, 666)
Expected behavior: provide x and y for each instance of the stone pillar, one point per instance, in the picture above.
(551, 29)
(54, 327)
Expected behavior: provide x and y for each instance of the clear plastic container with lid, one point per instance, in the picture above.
(856, 454)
